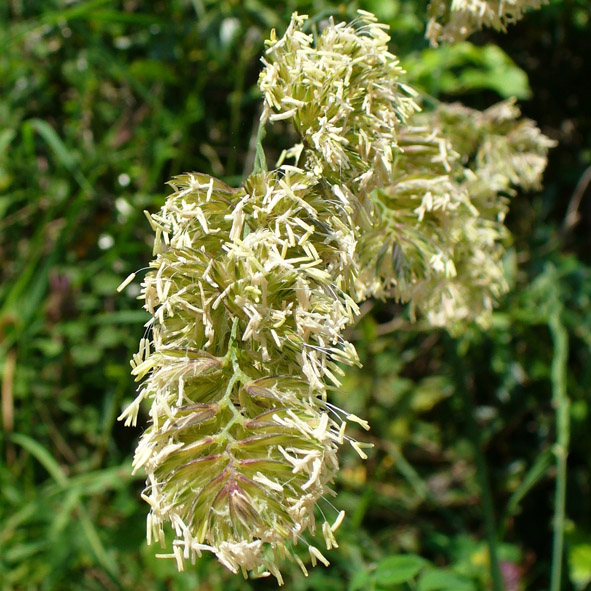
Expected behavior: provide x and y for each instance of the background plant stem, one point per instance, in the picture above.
(473, 434)
(561, 404)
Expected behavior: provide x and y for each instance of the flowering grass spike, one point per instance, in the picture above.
(454, 20)
(248, 304)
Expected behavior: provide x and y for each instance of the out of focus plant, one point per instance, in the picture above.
(454, 20)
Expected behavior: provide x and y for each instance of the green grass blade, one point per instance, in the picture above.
(95, 542)
(6, 136)
(533, 476)
(118, 16)
(41, 454)
(61, 152)
(54, 17)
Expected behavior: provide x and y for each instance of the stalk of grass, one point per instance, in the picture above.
(473, 433)
(418, 484)
(561, 403)
(260, 161)
(536, 472)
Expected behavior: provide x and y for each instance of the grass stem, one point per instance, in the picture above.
(260, 160)
(474, 436)
(561, 404)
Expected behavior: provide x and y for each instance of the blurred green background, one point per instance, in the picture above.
(101, 102)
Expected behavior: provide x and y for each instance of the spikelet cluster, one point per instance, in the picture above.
(500, 152)
(251, 288)
(248, 293)
(411, 249)
(344, 94)
(433, 187)
(455, 20)
(438, 240)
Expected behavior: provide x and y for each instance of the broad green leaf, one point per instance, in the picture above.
(579, 563)
(398, 569)
(361, 581)
(439, 579)
(463, 67)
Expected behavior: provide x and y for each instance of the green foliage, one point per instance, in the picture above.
(397, 569)
(102, 102)
(464, 67)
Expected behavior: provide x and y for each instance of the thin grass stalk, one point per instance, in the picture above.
(420, 487)
(562, 404)
(473, 434)
(260, 161)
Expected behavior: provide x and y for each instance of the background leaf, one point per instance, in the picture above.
(398, 569)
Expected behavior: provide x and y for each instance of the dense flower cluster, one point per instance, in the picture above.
(252, 288)
(454, 20)
(345, 96)
(438, 240)
(249, 296)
